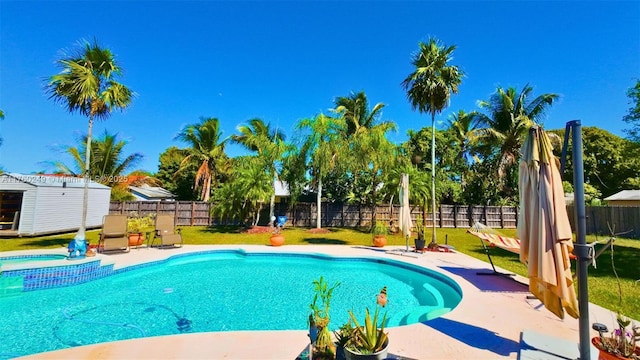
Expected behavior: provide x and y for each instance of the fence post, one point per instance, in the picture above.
(455, 216)
(440, 215)
(501, 217)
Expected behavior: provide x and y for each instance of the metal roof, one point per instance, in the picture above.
(625, 195)
(281, 188)
(151, 192)
(50, 180)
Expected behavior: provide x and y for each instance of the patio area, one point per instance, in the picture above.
(487, 324)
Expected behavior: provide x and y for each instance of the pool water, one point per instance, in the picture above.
(217, 291)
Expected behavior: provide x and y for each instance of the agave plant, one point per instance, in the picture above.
(368, 339)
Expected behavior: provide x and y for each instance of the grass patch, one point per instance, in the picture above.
(603, 288)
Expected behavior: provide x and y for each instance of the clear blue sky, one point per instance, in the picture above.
(284, 61)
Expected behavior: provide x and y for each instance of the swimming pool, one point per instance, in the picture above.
(217, 291)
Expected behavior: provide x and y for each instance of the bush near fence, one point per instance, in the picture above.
(197, 213)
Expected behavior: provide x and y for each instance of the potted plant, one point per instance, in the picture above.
(276, 239)
(379, 231)
(323, 347)
(343, 335)
(137, 227)
(621, 344)
(419, 241)
(367, 341)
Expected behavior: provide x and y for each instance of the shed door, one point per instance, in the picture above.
(10, 205)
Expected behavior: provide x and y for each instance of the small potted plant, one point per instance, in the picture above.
(323, 347)
(367, 341)
(343, 335)
(137, 227)
(379, 231)
(276, 239)
(621, 344)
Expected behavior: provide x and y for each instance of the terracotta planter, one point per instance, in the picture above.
(136, 239)
(276, 240)
(379, 240)
(603, 355)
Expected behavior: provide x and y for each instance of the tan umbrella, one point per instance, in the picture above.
(404, 217)
(543, 226)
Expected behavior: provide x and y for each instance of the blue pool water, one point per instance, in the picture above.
(216, 291)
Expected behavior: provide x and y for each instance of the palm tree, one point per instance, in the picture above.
(355, 111)
(107, 163)
(509, 116)
(429, 89)
(87, 84)
(268, 143)
(322, 146)
(207, 150)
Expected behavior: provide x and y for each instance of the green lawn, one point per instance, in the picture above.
(603, 288)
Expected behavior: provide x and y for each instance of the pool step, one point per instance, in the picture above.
(428, 295)
(11, 285)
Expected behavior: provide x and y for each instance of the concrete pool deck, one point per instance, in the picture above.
(487, 324)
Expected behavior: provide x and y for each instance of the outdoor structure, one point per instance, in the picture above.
(281, 190)
(624, 198)
(44, 204)
(145, 192)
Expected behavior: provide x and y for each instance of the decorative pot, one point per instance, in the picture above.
(379, 240)
(276, 240)
(604, 355)
(419, 244)
(380, 355)
(136, 239)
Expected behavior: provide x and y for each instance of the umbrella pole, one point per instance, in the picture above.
(407, 238)
(581, 249)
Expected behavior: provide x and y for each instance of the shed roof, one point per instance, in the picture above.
(281, 188)
(151, 192)
(625, 195)
(50, 180)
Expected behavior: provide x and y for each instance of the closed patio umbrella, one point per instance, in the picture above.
(543, 226)
(405, 210)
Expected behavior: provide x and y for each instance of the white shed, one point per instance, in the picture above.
(43, 204)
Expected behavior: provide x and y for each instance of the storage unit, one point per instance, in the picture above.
(44, 204)
(624, 198)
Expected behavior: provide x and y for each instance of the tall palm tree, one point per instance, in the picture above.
(268, 143)
(107, 163)
(509, 115)
(463, 125)
(88, 84)
(322, 146)
(207, 150)
(429, 88)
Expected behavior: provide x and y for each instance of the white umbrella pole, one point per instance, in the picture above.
(581, 249)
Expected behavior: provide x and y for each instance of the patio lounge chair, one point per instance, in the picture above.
(114, 234)
(166, 232)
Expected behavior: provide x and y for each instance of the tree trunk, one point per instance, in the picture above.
(433, 177)
(85, 194)
(272, 206)
(319, 204)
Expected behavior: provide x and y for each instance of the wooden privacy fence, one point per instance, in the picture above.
(623, 220)
(197, 213)
(186, 213)
(447, 216)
